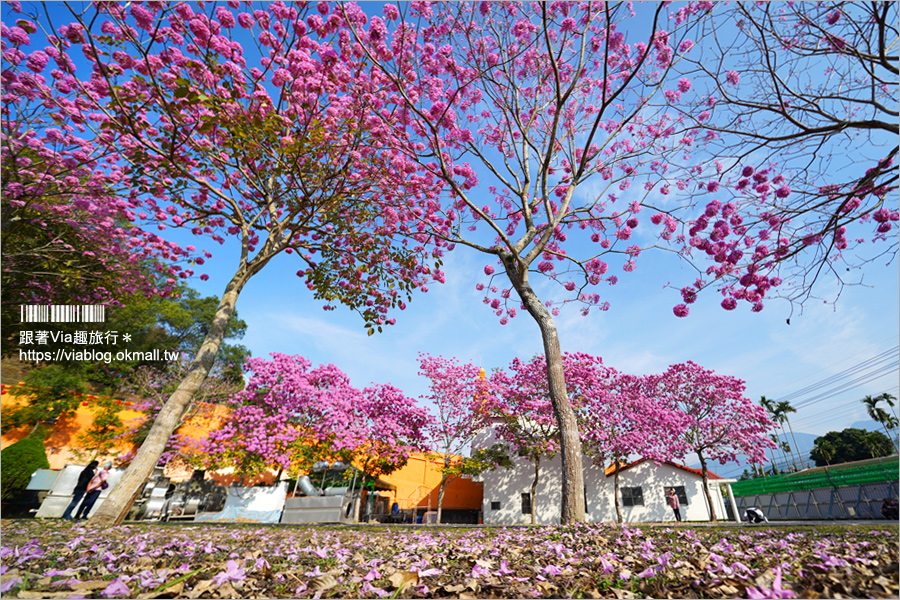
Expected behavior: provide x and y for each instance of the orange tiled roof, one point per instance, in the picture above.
(612, 468)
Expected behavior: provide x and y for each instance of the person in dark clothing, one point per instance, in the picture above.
(97, 485)
(84, 478)
(889, 509)
(754, 515)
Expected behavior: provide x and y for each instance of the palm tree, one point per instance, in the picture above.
(826, 450)
(772, 454)
(889, 400)
(785, 408)
(780, 444)
(876, 413)
(777, 415)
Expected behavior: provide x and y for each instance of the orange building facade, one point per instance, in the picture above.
(418, 485)
(415, 486)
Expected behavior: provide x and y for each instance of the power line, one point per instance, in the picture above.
(829, 367)
(859, 381)
(862, 373)
(881, 362)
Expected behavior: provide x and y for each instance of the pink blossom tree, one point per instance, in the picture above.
(719, 421)
(520, 410)
(291, 415)
(396, 428)
(575, 118)
(263, 127)
(69, 235)
(457, 392)
(621, 420)
(543, 98)
(800, 104)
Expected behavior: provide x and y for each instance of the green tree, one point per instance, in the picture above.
(849, 445)
(876, 413)
(176, 323)
(48, 393)
(21, 460)
(105, 431)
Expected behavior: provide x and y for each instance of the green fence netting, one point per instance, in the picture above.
(839, 475)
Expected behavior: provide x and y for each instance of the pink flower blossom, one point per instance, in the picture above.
(117, 587)
(18, 36)
(733, 77)
(37, 61)
(624, 233)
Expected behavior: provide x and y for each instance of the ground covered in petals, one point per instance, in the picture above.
(52, 559)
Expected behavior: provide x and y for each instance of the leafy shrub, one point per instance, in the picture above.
(21, 460)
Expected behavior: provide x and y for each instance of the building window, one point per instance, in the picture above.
(495, 506)
(632, 496)
(526, 504)
(679, 491)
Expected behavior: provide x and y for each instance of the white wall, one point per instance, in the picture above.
(507, 485)
(654, 479)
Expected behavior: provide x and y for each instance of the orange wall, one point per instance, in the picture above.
(64, 434)
(63, 437)
(417, 483)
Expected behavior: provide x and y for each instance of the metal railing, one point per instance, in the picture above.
(862, 501)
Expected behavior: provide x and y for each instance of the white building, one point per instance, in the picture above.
(642, 485)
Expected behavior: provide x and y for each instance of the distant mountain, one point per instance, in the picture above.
(805, 442)
(869, 425)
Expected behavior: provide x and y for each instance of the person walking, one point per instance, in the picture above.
(84, 478)
(673, 502)
(94, 488)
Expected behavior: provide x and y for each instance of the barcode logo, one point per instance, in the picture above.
(63, 313)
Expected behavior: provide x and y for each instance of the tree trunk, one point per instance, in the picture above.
(618, 502)
(534, 482)
(781, 442)
(572, 509)
(888, 434)
(444, 479)
(796, 447)
(709, 502)
(123, 495)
